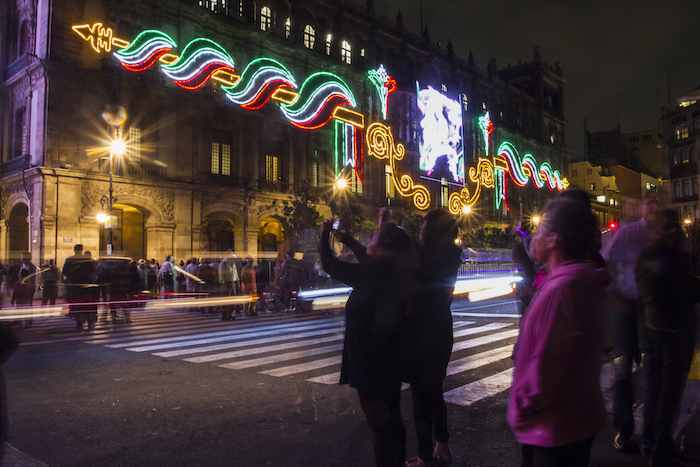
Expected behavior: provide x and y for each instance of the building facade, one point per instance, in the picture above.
(201, 175)
(681, 129)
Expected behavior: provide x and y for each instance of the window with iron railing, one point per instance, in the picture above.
(265, 18)
(309, 36)
(272, 168)
(220, 158)
(346, 52)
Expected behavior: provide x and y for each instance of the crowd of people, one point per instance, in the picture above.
(399, 329)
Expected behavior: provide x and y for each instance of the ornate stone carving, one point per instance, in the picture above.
(90, 194)
(158, 202)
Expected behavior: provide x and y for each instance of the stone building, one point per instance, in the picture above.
(201, 175)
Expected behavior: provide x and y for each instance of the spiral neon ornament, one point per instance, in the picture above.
(320, 95)
(483, 177)
(260, 80)
(145, 50)
(380, 144)
(200, 59)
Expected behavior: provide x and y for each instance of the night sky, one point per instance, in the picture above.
(617, 55)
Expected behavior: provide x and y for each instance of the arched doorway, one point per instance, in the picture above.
(270, 236)
(18, 231)
(219, 235)
(128, 232)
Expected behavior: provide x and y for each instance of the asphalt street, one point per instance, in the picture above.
(180, 387)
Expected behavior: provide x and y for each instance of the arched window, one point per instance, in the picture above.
(287, 28)
(329, 43)
(309, 36)
(346, 52)
(265, 18)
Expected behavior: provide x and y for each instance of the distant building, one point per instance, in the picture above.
(642, 151)
(681, 134)
(615, 190)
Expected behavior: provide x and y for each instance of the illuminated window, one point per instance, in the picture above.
(362, 52)
(133, 142)
(217, 6)
(220, 159)
(355, 183)
(389, 181)
(309, 36)
(329, 43)
(444, 193)
(241, 10)
(19, 133)
(682, 132)
(346, 52)
(272, 168)
(287, 28)
(265, 18)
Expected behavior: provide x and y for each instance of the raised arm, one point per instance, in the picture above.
(348, 273)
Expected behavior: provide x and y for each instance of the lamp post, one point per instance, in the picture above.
(115, 117)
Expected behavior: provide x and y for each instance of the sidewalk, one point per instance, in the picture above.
(13, 457)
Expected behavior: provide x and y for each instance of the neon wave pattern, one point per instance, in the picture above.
(522, 170)
(145, 50)
(320, 94)
(200, 59)
(258, 83)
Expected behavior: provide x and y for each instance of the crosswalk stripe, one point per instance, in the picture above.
(480, 329)
(281, 357)
(481, 389)
(483, 340)
(472, 362)
(337, 336)
(330, 378)
(304, 367)
(229, 336)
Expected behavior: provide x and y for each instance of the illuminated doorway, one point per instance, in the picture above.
(18, 231)
(128, 233)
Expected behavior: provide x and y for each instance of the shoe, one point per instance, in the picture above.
(442, 453)
(625, 444)
(416, 462)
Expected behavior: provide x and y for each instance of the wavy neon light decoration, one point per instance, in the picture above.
(145, 50)
(380, 144)
(260, 80)
(524, 169)
(200, 59)
(320, 94)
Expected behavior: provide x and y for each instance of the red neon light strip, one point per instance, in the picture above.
(203, 78)
(147, 64)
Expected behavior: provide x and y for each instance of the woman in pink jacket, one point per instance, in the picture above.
(556, 407)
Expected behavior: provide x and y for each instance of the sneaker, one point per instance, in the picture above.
(623, 443)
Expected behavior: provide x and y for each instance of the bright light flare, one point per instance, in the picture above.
(117, 147)
(466, 210)
(687, 221)
(535, 219)
(102, 217)
(341, 184)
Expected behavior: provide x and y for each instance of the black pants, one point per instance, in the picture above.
(629, 346)
(666, 368)
(383, 415)
(49, 294)
(430, 415)
(576, 454)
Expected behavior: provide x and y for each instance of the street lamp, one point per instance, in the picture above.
(687, 221)
(341, 184)
(466, 210)
(102, 217)
(535, 220)
(114, 116)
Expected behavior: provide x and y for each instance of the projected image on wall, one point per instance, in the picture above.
(440, 136)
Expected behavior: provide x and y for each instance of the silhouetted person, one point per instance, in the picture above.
(79, 276)
(371, 350)
(49, 281)
(8, 345)
(26, 284)
(166, 275)
(553, 411)
(428, 334)
(668, 291)
(622, 254)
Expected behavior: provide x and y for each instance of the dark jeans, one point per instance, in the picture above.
(383, 415)
(666, 368)
(576, 454)
(430, 415)
(629, 345)
(49, 294)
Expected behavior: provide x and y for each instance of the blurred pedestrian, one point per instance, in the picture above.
(428, 336)
(249, 286)
(49, 283)
(192, 269)
(526, 267)
(152, 277)
(668, 291)
(371, 350)
(554, 412)
(622, 254)
(80, 276)
(180, 278)
(26, 285)
(166, 276)
(8, 345)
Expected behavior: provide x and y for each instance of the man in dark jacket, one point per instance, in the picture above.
(668, 291)
(80, 276)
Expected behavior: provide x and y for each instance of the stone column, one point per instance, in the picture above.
(253, 242)
(3, 241)
(239, 243)
(160, 240)
(37, 122)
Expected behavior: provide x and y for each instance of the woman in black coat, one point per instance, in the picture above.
(427, 336)
(372, 330)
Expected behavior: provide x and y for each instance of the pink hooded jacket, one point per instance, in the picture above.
(556, 398)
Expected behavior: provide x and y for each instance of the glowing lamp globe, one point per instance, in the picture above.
(102, 217)
(341, 184)
(117, 147)
(466, 210)
(536, 219)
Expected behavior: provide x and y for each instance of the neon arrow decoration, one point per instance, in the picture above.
(101, 38)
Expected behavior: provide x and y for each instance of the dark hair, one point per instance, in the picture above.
(578, 195)
(667, 226)
(393, 238)
(441, 229)
(576, 226)
(78, 247)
